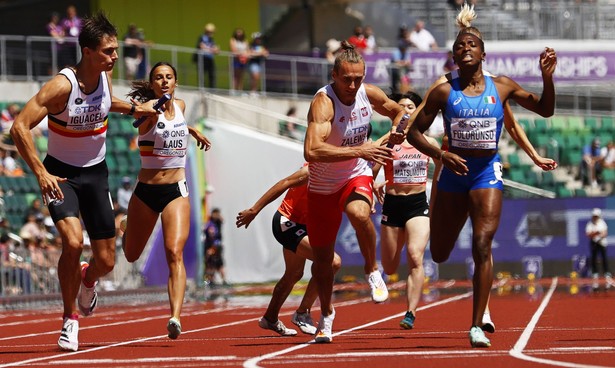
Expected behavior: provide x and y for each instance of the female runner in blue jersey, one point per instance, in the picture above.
(471, 181)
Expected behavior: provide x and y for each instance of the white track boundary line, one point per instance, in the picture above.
(253, 362)
(517, 350)
(68, 354)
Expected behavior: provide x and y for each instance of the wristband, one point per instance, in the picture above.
(132, 109)
(442, 155)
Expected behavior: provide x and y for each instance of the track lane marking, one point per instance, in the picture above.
(68, 354)
(253, 362)
(517, 350)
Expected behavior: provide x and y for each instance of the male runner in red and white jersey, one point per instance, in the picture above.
(337, 148)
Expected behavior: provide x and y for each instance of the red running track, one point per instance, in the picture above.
(551, 323)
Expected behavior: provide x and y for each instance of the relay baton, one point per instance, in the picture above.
(403, 123)
(166, 97)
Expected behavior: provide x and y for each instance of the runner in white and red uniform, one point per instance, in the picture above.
(290, 231)
(337, 148)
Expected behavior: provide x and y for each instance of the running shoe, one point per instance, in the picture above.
(325, 328)
(69, 337)
(408, 322)
(174, 327)
(478, 338)
(87, 298)
(488, 325)
(304, 322)
(278, 327)
(380, 293)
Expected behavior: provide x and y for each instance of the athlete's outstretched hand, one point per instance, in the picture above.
(548, 61)
(245, 217)
(372, 151)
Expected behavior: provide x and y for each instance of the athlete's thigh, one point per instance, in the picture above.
(391, 244)
(357, 206)
(417, 230)
(139, 226)
(449, 214)
(293, 261)
(485, 211)
(176, 222)
(304, 249)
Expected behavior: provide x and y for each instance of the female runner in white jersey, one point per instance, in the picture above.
(161, 189)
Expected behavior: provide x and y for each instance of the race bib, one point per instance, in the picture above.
(474, 133)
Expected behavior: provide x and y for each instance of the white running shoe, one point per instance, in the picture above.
(478, 338)
(488, 325)
(380, 293)
(69, 337)
(325, 328)
(304, 322)
(278, 327)
(87, 298)
(174, 327)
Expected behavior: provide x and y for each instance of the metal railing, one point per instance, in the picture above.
(38, 58)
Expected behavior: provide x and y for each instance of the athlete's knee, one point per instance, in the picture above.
(105, 264)
(481, 253)
(439, 257)
(174, 255)
(294, 276)
(337, 263)
(388, 268)
(415, 260)
(72, 247)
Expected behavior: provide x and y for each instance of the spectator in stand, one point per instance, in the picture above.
(421, 38)
(368, 32)
(609, 158)
(2, 156)
(449, 65)
(591, 164)
(8, 116)
(597, 232)
(11, 166)
(55, 30)
(34, 227)
(258, 54)
(207, 49)
(358, 40)
(290, 129)
(401, 65)
(36, 208)
(241, 52)
(334, 47)
(133, 51)
(124, 192)
(72, 28)
(213, 248)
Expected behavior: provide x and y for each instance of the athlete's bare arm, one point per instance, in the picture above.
(299, 177)
(319, 127)
(52, 98)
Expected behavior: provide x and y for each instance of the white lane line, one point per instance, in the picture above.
(68, 354)
(253, 362)
(517, 350)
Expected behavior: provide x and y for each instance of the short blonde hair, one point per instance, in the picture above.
(464, 22)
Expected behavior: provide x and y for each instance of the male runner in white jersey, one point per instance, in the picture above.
(73, 176)
(337, 147)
